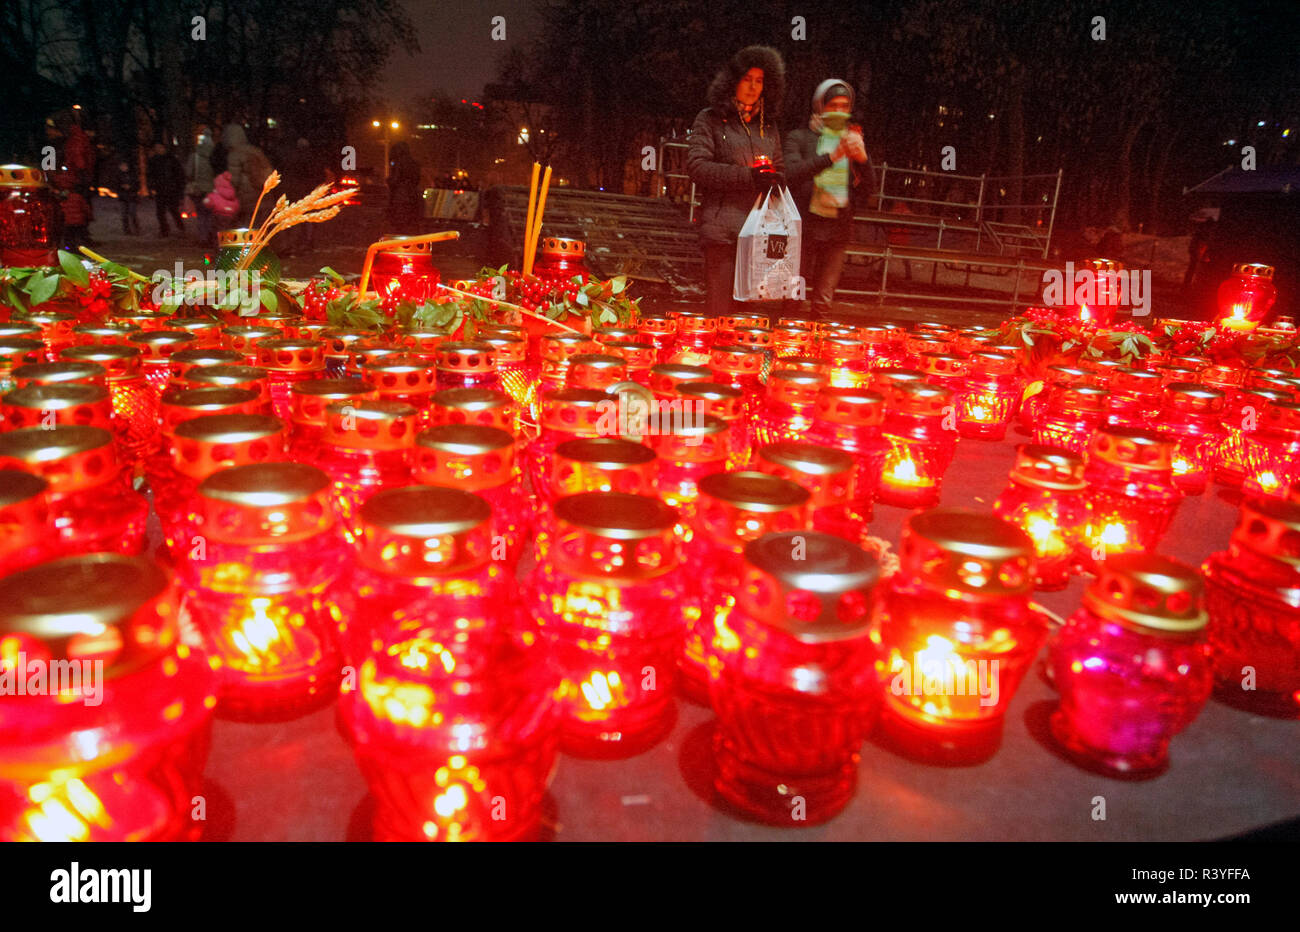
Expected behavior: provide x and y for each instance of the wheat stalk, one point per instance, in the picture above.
(316, 207)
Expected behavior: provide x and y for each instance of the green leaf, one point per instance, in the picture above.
(583, 300)
(331, 274)
(40, 288)
(618, 283)
(73, 268)
(269, 299)
(608, 317)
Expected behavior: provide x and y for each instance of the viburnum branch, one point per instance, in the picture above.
(514, 307)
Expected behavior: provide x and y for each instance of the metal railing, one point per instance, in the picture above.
(664, 178)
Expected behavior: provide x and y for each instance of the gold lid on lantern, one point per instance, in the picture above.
(794, 323)
(1223, 376)
(693, 440)
(759, 338)
(853, 407)
(24, 510)
(812, 586)
(400, 374)
(973, 553)
(638, 356)
(1135, 383)
(240, 236)
(1045, 467)
(743, 321)
(291, 355)
(824, 471)
(157, 345)
(792, 340)
(422, 343)
(805, 364)
(888, 381)
(1198, 399)
(341, 340)
(1269, 528)
(792, 387)
(244, 339)
(101, 606)
(98, 333)
(253, 378)
(841, 350)
(1132, 448)
(69, 403)
(667, 376)
(944, 365)
(466, 357)
(1281, 417)
(206, 330)
(370, 425)
(564, 246)
(576, 410)
(614, 334)
(1257, 269)
(736, 360)
(182, 361)
(602, 464)
(723, 401)
(921, 399)
(1082, 399)
(558, 347)
(988, 362)
(202, 445)
(1148, 593)
(182, 404)
(69, 457)
(138, 320)
(615, 535)
(490, 407)
(425, 530)
(735, 507)
(596, 370)
(657, 324)
(265, 503)
(507, 350)
(60, 373)
(467, 456)
(21, 176)
(309, 397)
(119, 360)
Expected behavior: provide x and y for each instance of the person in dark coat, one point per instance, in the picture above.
(403, 190)
(166, 178)
(828, 171)
(125, 181)
(727, 140)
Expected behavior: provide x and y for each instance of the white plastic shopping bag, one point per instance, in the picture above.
(767, 249)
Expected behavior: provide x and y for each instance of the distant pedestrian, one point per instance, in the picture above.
(728, 139)
(166, 179)
(403, 190)
(76, 210)
(223, 202)
(249, 168)
(198, 184)
(125, 181)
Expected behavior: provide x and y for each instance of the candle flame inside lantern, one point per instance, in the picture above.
(903, 471)
(1268, 481)
(1182, 465)
(1045, 535)
(1114, 534)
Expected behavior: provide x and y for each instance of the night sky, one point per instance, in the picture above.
(457, 54)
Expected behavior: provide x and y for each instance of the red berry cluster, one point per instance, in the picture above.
(318, 293)
(94, 298)
(539, 294)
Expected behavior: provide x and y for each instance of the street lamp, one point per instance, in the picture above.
(392, 124)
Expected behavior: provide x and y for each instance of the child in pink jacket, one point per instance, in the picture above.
(221, 200)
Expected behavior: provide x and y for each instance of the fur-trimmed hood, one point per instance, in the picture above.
(722, 90)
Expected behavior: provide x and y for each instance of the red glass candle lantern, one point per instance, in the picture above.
(490, 407)
(946, 369)
(740, 367)
(1046, 498)
(1241, 417)
(851, 419)
(25, 532)
(734, 509)
(1246, 298)
(1132, 497)
(917, 344)
(637, 355)
(921, 431)
(519, 375)
(464, 364)
(687, 454)
(263, 590)
(15, 353)
(206, 330)
(135, 406)
(250, 378)
(848, 365)
(56, 331)
(556, 350)
(661, 332)
(1072, 414)
(1192, 418)
(786, 412)
(601, 464)
(828, 474)
(182, 361)
(60, 373)
(720, 401)
(992, 396)
(567, 414)
(287, 362)
(666, 378)
(184, 405)
(755, 338)
(156, 348)
(958, 633)
(406, 274)
(244, 338)
(606, 601)
(284, 319)
(884, 345)
(201, 446)
(696, 335)
(48, 405)
(887, 382)
(115, 753)
(1131, 664)
(307, 404)
(1105, 289)
(92, 504)
(793, 341)
(1136, 398)
(1272, 451)
(603, 335)
(1057, 379)
(423, 344)
(365, 446)
(406, 379)
(1252, 596)
(31, 218)
(479, 459)
(442, 654)
(561, 260)
(600, 371)
(791, 678)
(339, 343)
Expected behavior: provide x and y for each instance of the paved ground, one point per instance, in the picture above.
(341, 245)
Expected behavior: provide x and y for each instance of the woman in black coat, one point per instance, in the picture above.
(726, 141)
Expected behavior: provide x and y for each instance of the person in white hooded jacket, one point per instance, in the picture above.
(248, 167)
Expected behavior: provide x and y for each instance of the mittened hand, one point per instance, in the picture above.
(764, 176)
(856, 149)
